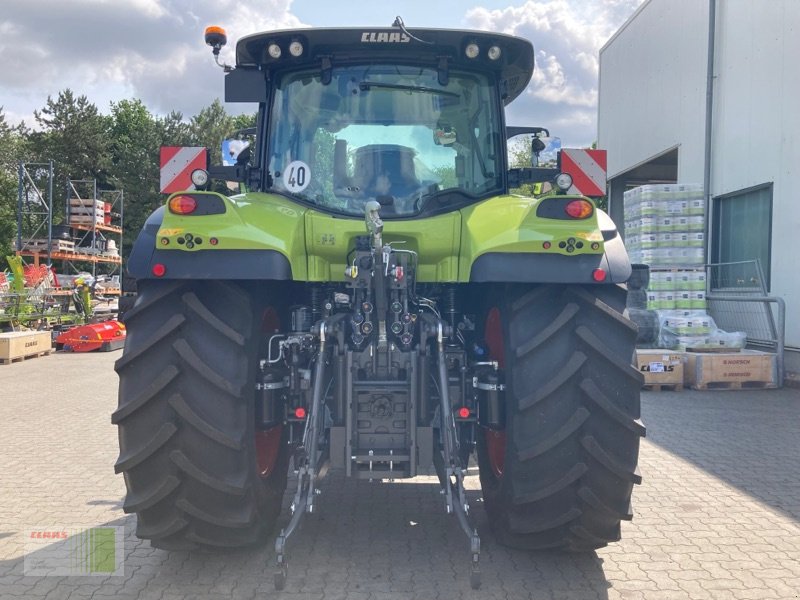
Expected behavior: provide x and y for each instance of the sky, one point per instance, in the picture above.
(153, 50)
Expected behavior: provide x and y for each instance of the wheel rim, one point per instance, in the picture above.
(495, 440)
(268, 441)
(496, 449)
(268, 444)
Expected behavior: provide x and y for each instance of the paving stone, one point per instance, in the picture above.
(716, 517)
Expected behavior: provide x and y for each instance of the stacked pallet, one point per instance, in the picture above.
(42, 245)
(748, 369)
(88, 212)
(665, 225)
(671, 370)
(662, 369)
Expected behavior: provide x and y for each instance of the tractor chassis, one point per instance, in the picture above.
(311, 463)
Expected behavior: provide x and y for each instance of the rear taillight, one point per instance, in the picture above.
(579, 209)
(182, 205)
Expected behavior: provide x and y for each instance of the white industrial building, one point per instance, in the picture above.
(678, 86)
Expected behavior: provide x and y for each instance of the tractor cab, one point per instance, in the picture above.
(412, 119)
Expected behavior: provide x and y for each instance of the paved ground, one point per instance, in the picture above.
(716, 517)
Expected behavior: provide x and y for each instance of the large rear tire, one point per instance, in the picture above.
(187, 436)
(560, 474)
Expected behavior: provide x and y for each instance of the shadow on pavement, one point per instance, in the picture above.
(749, 439)
(368, 540)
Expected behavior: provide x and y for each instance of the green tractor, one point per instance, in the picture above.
(375, 300)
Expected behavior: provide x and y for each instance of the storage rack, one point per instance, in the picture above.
(85, 213)
(85, 221)
(91, 218)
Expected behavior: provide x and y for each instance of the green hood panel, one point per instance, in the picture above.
(252, 221)
(317, 244)
(508, 224)
(436, 241)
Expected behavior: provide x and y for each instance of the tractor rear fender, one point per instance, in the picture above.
(254, 237)
(504, 241)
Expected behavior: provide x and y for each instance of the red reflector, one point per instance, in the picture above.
(579, 209)
(159, 270)
(213, 241)
(599, 275)
(182, 205)
(546, 245)
(463, 412)
(300, 412)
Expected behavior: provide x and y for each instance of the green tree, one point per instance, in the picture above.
(244, 121)
(136, 138)
(76, 136)
(13, 148)
(519, 156)
(447, 176)
(173, 130)
(209, 127)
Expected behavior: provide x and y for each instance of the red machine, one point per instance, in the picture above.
(105, 336)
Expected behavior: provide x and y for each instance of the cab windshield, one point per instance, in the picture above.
(388, 133)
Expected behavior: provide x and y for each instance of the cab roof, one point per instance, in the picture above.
(432, 47)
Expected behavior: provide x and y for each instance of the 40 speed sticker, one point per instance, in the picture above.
(296, 176)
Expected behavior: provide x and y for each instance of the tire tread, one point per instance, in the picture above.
(573, 418)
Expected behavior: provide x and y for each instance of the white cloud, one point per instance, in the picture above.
(111, 49)
(154, 50)
(567, 36)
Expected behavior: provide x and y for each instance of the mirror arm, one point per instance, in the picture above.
(512, 131)
(228, 173)
(246, 174)
(519, 177)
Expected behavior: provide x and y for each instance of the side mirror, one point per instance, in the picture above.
(235, 152)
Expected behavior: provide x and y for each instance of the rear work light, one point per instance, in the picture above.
(579, 209)
(182, 205)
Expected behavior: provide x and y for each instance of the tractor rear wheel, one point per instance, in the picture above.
(561, 472)
(197, 470)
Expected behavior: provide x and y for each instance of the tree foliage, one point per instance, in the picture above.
(14, 146)
(120, 150)
(73, 133)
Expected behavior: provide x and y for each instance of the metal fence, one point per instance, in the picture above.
(738, 301)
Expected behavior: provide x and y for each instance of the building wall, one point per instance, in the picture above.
(652, 89)
(652, 98)
(756, 125)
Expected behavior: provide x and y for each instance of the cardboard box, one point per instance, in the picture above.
(660, 367)
(731, 371)
(19, 344)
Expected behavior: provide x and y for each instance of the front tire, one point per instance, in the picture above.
(560, 474)
(187, 421)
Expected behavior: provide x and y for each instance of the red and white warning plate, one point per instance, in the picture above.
(588, 170)
(177, 164)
